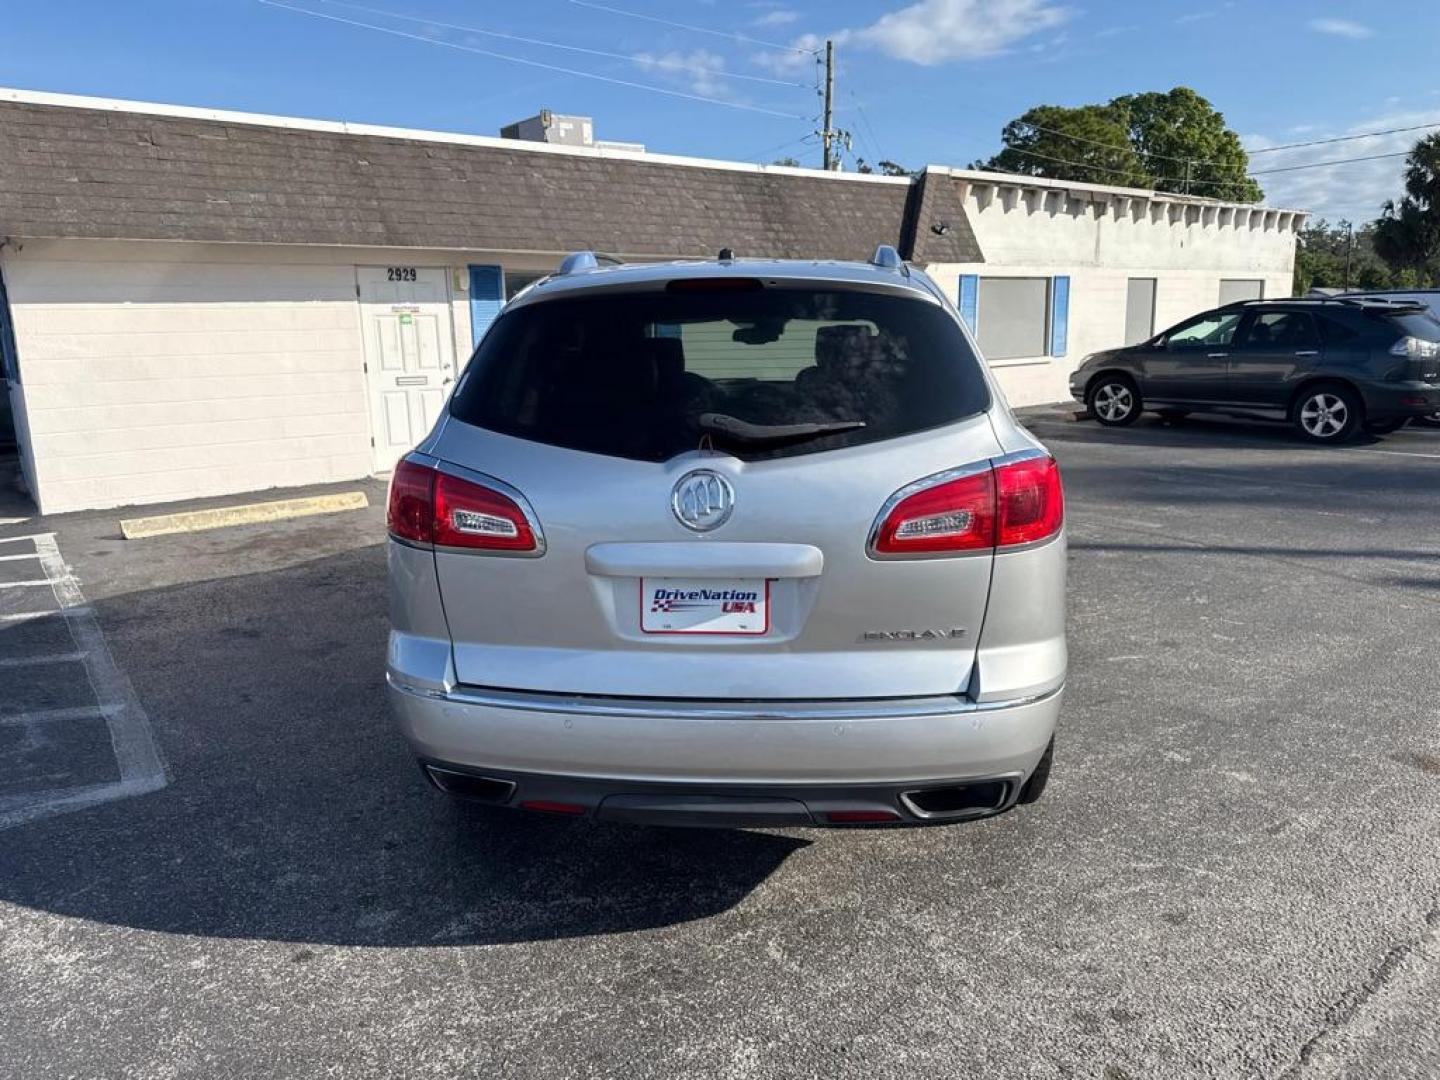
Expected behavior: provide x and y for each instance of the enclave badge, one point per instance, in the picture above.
(912, 635)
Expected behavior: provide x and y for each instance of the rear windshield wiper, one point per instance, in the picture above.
(742, 431)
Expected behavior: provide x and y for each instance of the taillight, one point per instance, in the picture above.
(1032, 502)
(409, 514)
(1008, 504)
(428, 506)
(951, 515)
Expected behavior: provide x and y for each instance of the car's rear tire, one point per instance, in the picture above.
(1114, 400)
(1172, 414)
(1327, 413)
(1385, 427)
(1035, 785)
(1433, 420)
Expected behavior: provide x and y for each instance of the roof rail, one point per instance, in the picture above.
(887, 258)
(577, 262)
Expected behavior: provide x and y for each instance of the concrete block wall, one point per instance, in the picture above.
(157, 371)
(1101, 237)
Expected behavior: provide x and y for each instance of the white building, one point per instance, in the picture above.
(196, 303)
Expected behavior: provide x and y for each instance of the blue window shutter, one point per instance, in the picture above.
(1059, 315)
(487, 295)
(970, 301)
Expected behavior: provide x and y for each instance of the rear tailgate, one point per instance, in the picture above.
(811, 403)
(839, 624)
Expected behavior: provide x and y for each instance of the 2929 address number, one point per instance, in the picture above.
(400, 273)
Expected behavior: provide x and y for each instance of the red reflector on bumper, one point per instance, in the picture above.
(545, 806)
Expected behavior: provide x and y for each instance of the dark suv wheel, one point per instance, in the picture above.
(1327, 413)
(1114, 400)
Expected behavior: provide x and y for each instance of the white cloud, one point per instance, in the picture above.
(1340, 28)
(778, 17)
(934, 31)
(930, 32)
(699, 70)
(1354, 191)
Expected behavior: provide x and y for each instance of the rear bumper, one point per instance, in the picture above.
(1385, 400)
(729, 763)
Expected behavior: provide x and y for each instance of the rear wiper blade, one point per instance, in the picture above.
(742, 431)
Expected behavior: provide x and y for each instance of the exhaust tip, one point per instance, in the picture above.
(957, 800)
(469, 786)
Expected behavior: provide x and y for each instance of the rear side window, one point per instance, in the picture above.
(1334, 332)
(645, 375)
(1414, 324)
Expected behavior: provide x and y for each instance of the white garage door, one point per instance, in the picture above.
(409, 353)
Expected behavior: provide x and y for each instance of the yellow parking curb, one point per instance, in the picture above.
(250, 514)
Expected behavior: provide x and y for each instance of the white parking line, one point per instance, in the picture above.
(136, 754)
(45, 716)
(48, 658)
(1392, 453)
(23, 584)
(16, 558)
(31, 616)
(25, 536)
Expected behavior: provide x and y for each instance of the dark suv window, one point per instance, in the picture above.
(632, 375)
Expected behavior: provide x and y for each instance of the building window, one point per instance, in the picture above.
(1233, 289)
(1017, 318)
(1139, 310)
(515, 280)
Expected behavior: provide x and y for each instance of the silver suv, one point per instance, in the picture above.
(730, 543)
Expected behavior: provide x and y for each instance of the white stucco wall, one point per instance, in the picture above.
(1101, 239)
(157, 371)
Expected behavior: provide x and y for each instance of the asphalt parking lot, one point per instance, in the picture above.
(1234, 871)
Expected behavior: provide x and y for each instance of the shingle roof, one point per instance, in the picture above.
(117, 174)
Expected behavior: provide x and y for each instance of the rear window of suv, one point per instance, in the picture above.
(644, 375)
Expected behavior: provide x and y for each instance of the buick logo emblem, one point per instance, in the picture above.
(702, 500)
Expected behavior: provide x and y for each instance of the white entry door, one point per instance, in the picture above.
(409, 353)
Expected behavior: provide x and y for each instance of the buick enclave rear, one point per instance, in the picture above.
(730, 543)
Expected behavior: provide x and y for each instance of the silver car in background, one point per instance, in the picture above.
(730, 543)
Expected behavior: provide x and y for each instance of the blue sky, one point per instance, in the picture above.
(921, 82)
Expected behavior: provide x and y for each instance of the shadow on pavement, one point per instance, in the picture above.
(294, 812)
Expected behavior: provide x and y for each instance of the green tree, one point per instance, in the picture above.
(1407, 235)
(883, 167)
(1182, 139)
(1174, 141)
(1089, 144)
(1324, 250)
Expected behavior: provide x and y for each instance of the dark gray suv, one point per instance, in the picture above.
(1331, 367)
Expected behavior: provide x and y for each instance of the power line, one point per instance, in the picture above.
(1249, 153)
(1341, 138)
(650, 60)
(693, 28)
(534, 63)
(869, 130)
(1334, 161)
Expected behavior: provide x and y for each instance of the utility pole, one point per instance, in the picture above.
(828, 133)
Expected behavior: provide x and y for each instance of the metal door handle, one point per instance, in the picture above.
(1307, 352)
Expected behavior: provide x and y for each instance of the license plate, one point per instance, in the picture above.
(704, 606)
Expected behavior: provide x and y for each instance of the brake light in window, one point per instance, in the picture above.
(1004, 505)
(428, 506)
